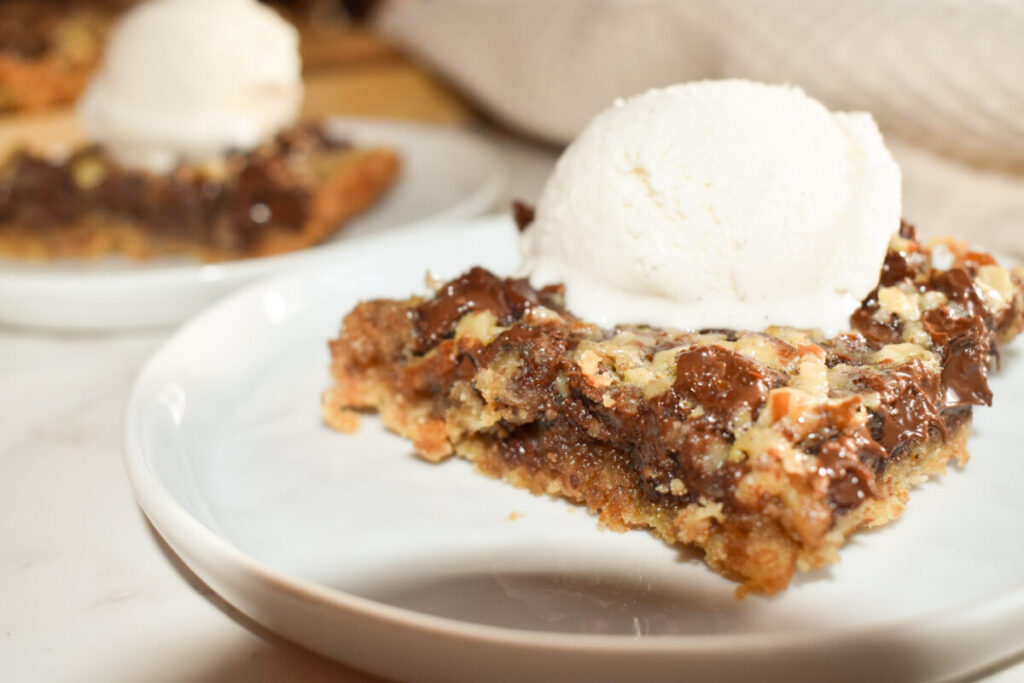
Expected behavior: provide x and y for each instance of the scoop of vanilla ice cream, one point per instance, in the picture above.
(718, 204)
(192, 79)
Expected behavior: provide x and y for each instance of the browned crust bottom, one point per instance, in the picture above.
(359, 178)
(763, 556)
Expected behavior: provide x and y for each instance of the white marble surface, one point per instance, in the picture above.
(87, 590)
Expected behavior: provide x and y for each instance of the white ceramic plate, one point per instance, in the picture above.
(446, 174)
(352, 547)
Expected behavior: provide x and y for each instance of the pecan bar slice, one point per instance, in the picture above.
(292, 192)
(763, 449)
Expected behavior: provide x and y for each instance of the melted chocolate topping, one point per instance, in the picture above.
(899, 266)
(477, 290)
(40, 190)
(965, 371)
(911, 402)
(666, 439)
(876, 333)
(966, 342)
(847, 455)
(966, 347)
(539, 352)
(845, 462)
(722, 381)
(958, 286)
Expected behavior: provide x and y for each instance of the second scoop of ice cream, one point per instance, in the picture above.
(193, 79)
(718, 204)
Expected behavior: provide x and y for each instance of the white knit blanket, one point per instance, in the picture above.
(942, 75)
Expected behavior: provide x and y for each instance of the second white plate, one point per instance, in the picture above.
(351, 546)
(447, 173)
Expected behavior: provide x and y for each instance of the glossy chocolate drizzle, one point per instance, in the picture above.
(722, 381)
(965, 338)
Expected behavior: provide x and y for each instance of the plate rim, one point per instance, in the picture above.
(182, 530)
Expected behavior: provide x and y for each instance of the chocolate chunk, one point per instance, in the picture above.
(262, 197)
(958, 286)
(897, 268)
(875, 332)
(523, 214)
(435, 374)
(847, 463)
(942, 325)
(124, 194)
(911, 401)
(45, 190)
(966, 346)
(722, 381)
(965, 370)
(538, 351)
(846, 454)
(477, 290)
